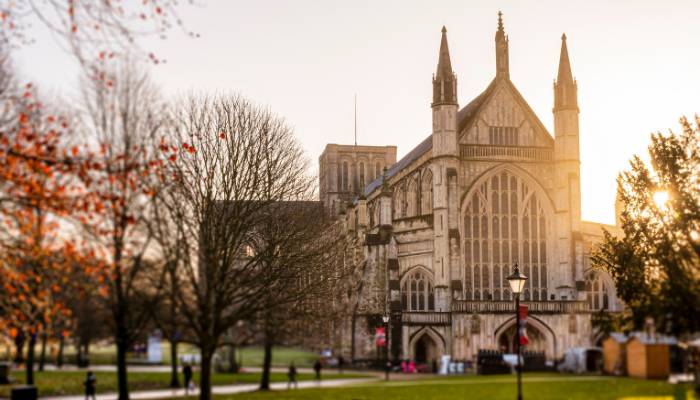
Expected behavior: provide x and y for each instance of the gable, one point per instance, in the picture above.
(502, 106)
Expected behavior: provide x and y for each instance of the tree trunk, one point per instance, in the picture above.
(205, 373)
(30, 360)
(19, 345)
(42, 356)
(267, 363)
(123, 384)
(59, 357)
(174, 381)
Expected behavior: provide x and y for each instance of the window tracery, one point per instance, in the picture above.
(417, 292)
(504, 223)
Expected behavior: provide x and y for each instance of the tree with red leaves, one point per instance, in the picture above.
(36, 193)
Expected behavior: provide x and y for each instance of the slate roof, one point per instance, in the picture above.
(653, 339)
(619, 337)
(464, 116)
(413, 155)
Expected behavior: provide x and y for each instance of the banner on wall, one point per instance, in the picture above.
(380, 337)
(523, 325)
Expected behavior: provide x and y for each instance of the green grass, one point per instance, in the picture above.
(105, 354)
(281, 357)
(71, 382)
(535, 386)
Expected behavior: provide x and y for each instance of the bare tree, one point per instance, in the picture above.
(299, 248)
(168, 237)
(234, 160)
(126, 119)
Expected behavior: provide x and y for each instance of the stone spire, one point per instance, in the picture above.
(565, 88)
(502, 68)
(444, 81)
(564, 75)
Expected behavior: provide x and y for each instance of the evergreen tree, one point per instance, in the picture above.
(656, 264)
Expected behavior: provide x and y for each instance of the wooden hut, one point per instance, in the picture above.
(614, 354)
(648, 356)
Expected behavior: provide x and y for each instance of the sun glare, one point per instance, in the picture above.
(660, 198)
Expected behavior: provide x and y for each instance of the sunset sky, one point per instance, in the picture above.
(636, 63)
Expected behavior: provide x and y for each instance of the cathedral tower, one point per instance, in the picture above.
(567, 170)
(444, 103)
(445, 164)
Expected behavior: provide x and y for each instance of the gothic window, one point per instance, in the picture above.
(412, 193)
(597, 292)
(377, 170)
(345, 175)
(417, 292)
(362, 176)
(503, 135)
(426, 195)
(504, 223)
(399, 202)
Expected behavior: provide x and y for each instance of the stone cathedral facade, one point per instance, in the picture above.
(434, 235)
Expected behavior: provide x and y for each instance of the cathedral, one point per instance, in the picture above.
(434, 235)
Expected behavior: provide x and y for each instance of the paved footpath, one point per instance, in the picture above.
(165, 368)
(230, 389)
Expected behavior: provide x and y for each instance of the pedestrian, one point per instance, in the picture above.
(187, 372)
(317, 369)
(292, 375)
(90, 385)
(341, 363)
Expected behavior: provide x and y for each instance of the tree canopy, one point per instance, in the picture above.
(656, 264)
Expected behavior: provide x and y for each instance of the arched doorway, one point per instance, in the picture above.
(507, 342)
(425, 350)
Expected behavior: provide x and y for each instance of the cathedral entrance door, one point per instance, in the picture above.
(507, 341)
(425, 351)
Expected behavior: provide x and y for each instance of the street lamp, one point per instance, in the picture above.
(517, 282)
(387, 367)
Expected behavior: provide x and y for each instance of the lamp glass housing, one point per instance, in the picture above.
(516, 281)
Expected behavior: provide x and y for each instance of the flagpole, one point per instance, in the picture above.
(355, 119)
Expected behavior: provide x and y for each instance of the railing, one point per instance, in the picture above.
(426, 318)
(534, 307)
(506, 152)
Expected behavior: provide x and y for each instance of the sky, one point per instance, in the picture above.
(636, 64)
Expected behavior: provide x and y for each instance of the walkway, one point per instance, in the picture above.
(230, 389)
(165, 368)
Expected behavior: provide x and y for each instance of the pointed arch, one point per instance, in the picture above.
(417, 289)
(600, 291)
(533, 322)
(426, 192)
(399, 201)
(507, 218)
(412, 196)
(434, 335)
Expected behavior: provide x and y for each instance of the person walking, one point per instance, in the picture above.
(90, 386)
(292, 375)
(317, 369)
(341, 364)
(187, 372)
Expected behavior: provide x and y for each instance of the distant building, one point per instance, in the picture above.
(435, 235)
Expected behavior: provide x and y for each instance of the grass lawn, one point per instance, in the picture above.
(102, 354)
(535, 386)
(71, 382)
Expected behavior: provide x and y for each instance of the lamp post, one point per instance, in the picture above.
(385, 319)
(517, 282)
